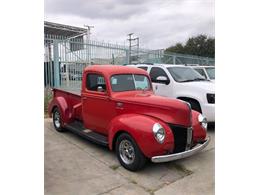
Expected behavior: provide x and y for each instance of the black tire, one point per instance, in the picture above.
(195, 105)
(139, 159)
(55, 113)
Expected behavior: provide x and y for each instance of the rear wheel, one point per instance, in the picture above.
(56, 118)
(128, 153)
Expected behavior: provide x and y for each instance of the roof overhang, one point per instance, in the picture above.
(51, 28)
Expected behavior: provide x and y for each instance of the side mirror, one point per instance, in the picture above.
(100, 89)
(162, 79)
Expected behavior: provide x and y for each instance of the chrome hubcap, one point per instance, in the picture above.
(126, 151)
(57, 119)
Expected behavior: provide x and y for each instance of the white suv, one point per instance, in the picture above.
(207, 71)
(183, 82)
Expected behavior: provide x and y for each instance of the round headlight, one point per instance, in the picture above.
(203, 121)
(159, 132)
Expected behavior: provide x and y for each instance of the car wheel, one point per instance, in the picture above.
(56, 118)
(128, 153)
(195, 105)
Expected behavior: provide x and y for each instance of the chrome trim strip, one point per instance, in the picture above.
(189, 106)
(172, 157)
(189, 138)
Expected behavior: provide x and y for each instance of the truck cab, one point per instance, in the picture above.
(117, 108)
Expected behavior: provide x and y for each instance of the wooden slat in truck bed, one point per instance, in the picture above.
(72, 91)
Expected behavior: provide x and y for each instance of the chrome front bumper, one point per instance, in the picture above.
(172, 157)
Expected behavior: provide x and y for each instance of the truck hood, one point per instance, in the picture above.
(206, 86)
(169, 110)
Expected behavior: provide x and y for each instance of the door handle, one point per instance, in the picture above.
(119, 105)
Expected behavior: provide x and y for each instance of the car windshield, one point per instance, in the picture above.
(211, 73)
(129, 82)
(201, 71)
(185, 74)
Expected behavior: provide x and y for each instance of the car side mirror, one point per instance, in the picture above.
(100, 89)
(162, 79)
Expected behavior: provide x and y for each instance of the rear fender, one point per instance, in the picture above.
(61, 103)
(139, 127)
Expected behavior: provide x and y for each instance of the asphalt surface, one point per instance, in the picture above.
(74, 166)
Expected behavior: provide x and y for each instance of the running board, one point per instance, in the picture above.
(78, 128)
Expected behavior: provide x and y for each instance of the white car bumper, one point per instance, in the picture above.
(208, 110)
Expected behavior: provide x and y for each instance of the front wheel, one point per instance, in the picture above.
(128, 153)
(56, 118)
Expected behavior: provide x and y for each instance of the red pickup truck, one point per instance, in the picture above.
(117, 108)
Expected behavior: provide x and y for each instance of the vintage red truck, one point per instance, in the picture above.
(117, 108)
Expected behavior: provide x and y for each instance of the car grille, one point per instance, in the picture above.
(180, 137)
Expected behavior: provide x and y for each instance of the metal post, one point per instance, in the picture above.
(56, 64)
(88, 46)
(127, 57)
(174, 59)
(137, 48)
(113, 59)
(49, 65)
(66, 66)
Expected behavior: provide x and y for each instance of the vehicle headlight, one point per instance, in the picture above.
(203, 121)
(159, 132)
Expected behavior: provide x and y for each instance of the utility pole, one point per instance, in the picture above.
(130, 46)
(88, 31)
(137, 39)
(130, 39)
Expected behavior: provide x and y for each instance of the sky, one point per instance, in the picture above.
(158, 23)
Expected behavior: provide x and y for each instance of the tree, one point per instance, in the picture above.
(200, 45)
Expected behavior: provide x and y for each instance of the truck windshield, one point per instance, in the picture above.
(211, 73)
(185, 74)
(129, 82)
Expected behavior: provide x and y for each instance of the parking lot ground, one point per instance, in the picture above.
(74, 166)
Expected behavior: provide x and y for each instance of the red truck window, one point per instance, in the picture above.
(129, 82)
(96, 82)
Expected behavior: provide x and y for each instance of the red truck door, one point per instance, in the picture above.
(97, 107)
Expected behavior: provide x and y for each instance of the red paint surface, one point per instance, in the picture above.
(135, 114)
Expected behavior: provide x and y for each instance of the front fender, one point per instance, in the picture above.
(61, 103)
(198, 132)
(140, 128)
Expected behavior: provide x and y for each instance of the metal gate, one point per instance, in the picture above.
(65, 60)
(48, 63)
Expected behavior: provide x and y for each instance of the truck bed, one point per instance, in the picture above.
(69, 90)
(73, 99)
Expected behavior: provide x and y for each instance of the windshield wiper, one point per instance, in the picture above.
(196, 79)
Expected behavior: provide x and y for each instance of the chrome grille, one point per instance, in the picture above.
(189, 138)
(181, 137)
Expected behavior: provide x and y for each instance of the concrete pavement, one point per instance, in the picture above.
(74, 166)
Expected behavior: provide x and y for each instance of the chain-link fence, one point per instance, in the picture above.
(66, 58)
